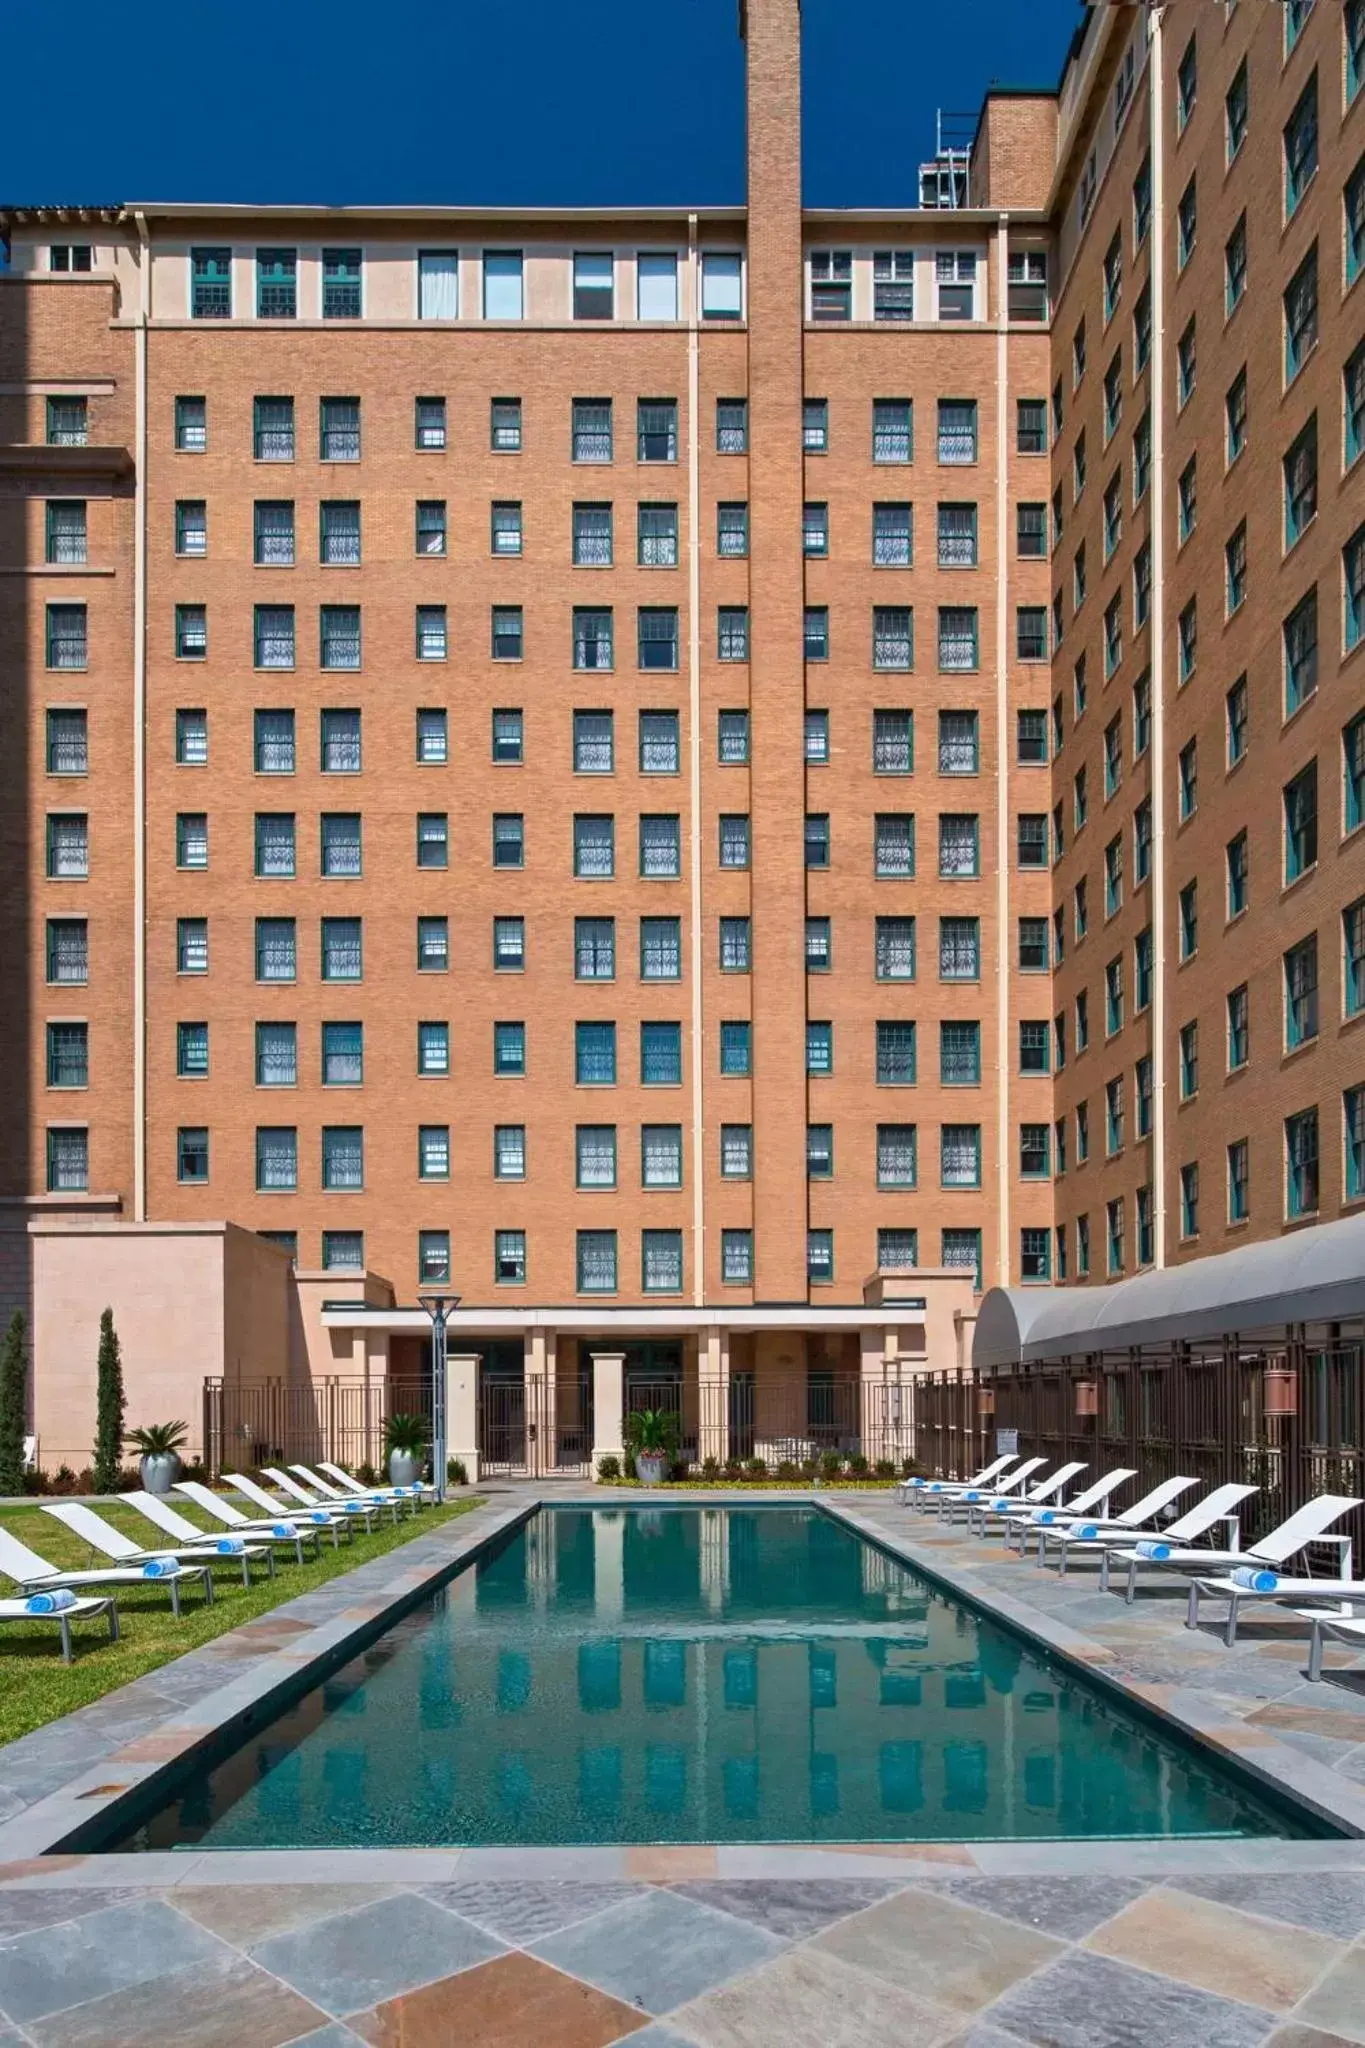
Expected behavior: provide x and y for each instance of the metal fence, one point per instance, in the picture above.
(249, 1423)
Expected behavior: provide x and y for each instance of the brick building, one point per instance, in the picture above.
(561, 749)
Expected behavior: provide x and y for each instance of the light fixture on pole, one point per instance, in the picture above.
(438, 1306)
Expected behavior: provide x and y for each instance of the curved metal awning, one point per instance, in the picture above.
(1310, 1276)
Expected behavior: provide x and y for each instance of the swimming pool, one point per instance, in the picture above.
(682, 1674)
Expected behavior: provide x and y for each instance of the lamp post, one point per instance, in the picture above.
(438, 1306)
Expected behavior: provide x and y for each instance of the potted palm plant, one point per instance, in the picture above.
(651, 1438)
(160, 1444)
(405, 1440)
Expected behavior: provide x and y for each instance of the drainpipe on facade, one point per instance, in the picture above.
(140, 732)
(1002, 756)
(694, 757)
(1156, 107)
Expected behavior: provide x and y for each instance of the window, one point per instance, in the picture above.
(959, 1054)
(656, 430)
(893, 284)
(1239, 1028)
(958, 742)
(1353, 1132)
(814, 530)
(1236, 111)
(273, 750)
(343, 948)
(1030, 532)
(734, 945)
(1353, 200)
(659, 746)
(1031, 738)
(1353, 773)
(1235, 569)
(1301, 147)
(509, 1048)
(509, 1258)
(897, 1156)
(1030, 426)
(831, 284)
(68, 422)
(656, 529)
(660, 949)
(1113, 1116)
(735, 1047)
(961, 1250)
(1355, 48)
(68, 950)
(1078, 354)
(1301, 482)
(1113, 394)
(817, 839)
(68, 1161)
(593, 293)
(1033, 945)
(1301, 823)
(274, 844)
(734, 839)
(957, 638)
(1142, 202)
(656, 286)
(66, 532)
(276, 948)
(1301, 1163)
(1301, 993)
(68, 1055)
(502, 284)
(1113, 276)
(1031, 839)
(1142, 840)
(433, 1048)
(955, 277)
(1235, 266)
(1113, 996)
(819, 1151)
(1142, 331)
(732, 529)
(1301, 315)
(1142, 457)
(192, 1154)
(595, 1155)
(1187, 223)
(1113, 876)
(895, 949)
(1236, 853)
(960, 1155)
(1187, 635)
(210, 284)
(1353, 578)
(340, 843)
(68, 750)
(433, 839)
(959, 851)
(277, 1057)
(895, 1053)
(660, 847)
(737, 1257)
(1142, 1097)
(1237, 721)
(1300, 635)
(818, 945)
(722, 285)
(657, 637)
(957, 441)
(1187, 497)
(894, 845)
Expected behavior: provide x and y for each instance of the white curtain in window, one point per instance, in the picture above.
(657, 297)
(438, 284)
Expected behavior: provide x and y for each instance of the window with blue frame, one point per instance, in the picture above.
(1237, 874)
(1353, 1134)
(1301, 147)
(1301, 993)
(1353, 962)
(1301, 822)
(210, 284)
(1239, 1181)
(1300, 636)
(277, 284)
(819, 1046)
(1189, 1060)
(1035, 1255)
(959, 1053)
(1353, 392)
(509, 1048)
(1301, 315)
(735, 1046)
(595, 1054)
(341, 284)
(1353, 202)
(661, 1055)
(1301, 1163)
(896, 1054)
(1239, 1028)
(1353, 579)
(1301, 482)
(1353, 772)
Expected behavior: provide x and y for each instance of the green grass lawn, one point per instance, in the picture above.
(35, 1685)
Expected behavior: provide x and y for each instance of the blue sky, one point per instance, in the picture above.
(537, 102)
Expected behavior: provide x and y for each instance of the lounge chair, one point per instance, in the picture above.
(1345, 1628)
(290, 1511)
(199, 1542)
(1220, 1506)
(332, 1496)
(102, 1535)
(1263, 1582)
(952, 1497)
(297, 1530)
(349, 1484)
(1307, 1525)
(33, 1574)
(1021, 1519)
(365, 1509)
(1091, 1532)
(62, 1606)
(996, 1507)
(988, 1475)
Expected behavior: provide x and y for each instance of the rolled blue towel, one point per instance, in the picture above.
(1152, 1549)
(352, 1507)
(971, 1495)
(160, 1568)
(319, 1515)
(55, 1602)
(1252, 1580)
(1047, 1516)
(230, 1546)
(1002, 1506)
(283, 1529)
(1087, 1531)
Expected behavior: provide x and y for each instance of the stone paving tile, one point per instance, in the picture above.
(225, 2004)
(939, 1951)
(1217, 1948)
(656, 2035)
(355, 1960)
(1087, 2001)
(22, 1910)
(1296, 2035)
(791, 1909)
(985, 2034)
(244, 1914)
(1330, 1902)
(809, 1999)
(522, 1911)
(513, 2002)
(333, 2035)
(1337, 2005)
(658, 1951)
(1066, 1907)
(52, 1968)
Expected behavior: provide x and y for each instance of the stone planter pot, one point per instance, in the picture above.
(650, 1469)
(405, 1468)
(160, 1470)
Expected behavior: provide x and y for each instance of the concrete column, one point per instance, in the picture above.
(715, 1558)
(713, 1392)
(609, 1565)
(462, 1410)
(876, 1348)
(608, 1404)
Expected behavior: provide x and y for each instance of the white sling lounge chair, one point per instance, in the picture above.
(987, 1476)
(1307, 1525)
(365, 1509)
(62, 1606)
(1079, 1531)
(1344, 1628)
(1021, 1519)
(995, 1507)
(349, 1484)
(199, 1542)
(101, 1535)
(1219, 1507)
(1263, 1582)
(297, 1530)
(1011, 1483)
(332, 1496)
(290, 1511)
(33, 1574)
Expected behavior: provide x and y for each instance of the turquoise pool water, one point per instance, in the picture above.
(685, 1675)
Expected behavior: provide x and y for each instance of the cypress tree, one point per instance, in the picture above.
(13, 1406)
(109, 1409)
